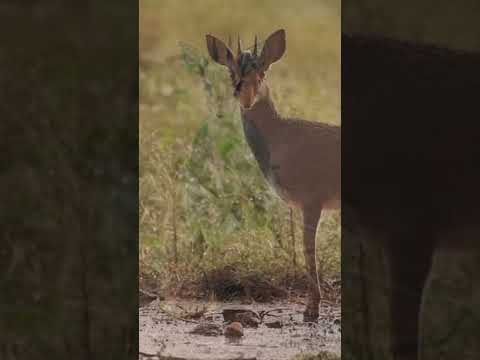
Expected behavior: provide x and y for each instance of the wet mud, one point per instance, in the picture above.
(280, 335)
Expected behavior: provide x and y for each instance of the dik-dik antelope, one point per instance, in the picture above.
(299, 158)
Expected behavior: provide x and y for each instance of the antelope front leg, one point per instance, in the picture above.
(310, 222)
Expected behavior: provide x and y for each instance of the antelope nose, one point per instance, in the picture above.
(246, 106)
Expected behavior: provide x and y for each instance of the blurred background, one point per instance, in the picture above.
(444, 23)
(209, 224)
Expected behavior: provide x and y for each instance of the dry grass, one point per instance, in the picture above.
(320, 356)
(203, 204)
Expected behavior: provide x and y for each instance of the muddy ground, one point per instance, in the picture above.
(165, 330)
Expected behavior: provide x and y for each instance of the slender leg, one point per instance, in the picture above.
(409, 267)
(310, 223)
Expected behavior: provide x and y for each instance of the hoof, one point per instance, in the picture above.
(310, 316)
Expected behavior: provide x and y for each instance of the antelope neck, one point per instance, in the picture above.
(258, 122)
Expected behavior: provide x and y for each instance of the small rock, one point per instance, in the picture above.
(235, 329)
(274, 324)
(247, 319)
(230, 314)
(207, 330)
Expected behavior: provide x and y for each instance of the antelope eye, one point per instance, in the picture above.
(238, 87)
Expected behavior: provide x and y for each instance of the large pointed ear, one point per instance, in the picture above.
(273, 49)
(221, 53)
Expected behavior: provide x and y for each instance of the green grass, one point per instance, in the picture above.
(204, 206)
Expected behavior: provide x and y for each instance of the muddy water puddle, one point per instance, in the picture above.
(163, 332)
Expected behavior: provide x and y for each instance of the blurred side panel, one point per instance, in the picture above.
(69, 180)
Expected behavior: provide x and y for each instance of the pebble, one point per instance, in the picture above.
(235, 329)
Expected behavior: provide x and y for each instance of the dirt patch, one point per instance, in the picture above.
(229, 284)
(226, 284)
(166, 333)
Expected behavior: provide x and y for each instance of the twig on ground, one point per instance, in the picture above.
(147, 354)
(262, 314)
(181, 307)
(177, 318)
